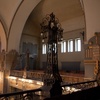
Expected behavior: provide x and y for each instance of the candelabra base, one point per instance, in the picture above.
(46, 91)
(56, 89)
(52, 90)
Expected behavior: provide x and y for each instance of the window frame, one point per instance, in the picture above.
(44, 48)
(63, 46)
(78, 45)
(70, 45)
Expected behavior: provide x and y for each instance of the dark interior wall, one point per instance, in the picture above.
(71, 66)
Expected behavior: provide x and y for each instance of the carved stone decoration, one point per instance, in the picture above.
(96, 68)
(92, 57)
(97, 37)
(98, 77)
(2, 60)
(11, 59)
(96, 52)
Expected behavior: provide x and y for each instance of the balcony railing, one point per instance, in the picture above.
(69, 88)
(37, 94)
(88, 94)
(38, 75)
(23, 95)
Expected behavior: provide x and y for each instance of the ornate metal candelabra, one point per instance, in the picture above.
(52, 33)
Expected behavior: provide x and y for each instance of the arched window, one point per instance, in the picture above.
(70, 45)
(63, 46)
(77, 44)
(43, 48)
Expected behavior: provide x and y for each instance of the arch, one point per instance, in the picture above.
(92, 17)
(18, 23)
(3, 37)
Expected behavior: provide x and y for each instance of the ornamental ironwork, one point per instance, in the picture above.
(52, 33)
